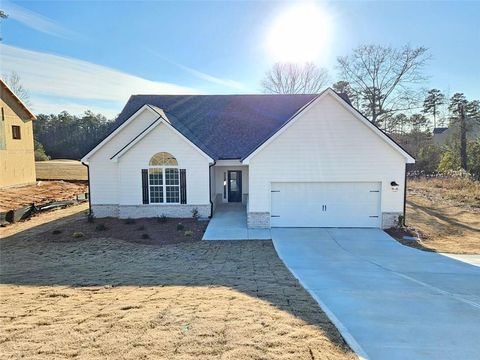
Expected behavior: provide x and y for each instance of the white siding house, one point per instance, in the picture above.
(313, 161)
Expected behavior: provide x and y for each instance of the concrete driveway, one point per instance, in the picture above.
(389, 301)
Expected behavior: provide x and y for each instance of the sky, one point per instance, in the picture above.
(79, 55)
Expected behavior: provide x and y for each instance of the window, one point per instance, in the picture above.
(3, 115)
(16, 132)
(164, 179)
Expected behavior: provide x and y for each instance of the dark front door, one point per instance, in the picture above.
(234, 186)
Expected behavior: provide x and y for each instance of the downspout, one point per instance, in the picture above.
(210, 186)
(405, 197)
(89, 197)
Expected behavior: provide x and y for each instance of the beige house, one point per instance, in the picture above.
(17, 159)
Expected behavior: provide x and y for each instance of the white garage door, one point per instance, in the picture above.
(355, 204)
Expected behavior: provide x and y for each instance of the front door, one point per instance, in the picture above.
(234, 186)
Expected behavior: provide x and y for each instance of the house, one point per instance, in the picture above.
(17, 159)
(292, 160)
(444, 135)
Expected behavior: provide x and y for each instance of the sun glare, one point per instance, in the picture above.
(300, 34)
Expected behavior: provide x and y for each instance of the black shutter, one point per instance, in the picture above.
(145, 186)
(183, 186)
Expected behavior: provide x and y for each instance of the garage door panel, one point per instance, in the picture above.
(355, 204)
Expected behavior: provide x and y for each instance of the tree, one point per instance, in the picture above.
(66, 136)
(418, 122)
(464, 114)
(432, 102)
(384, 78)
(40, 154)
(345, 88)
(288, 78)
(15, 84)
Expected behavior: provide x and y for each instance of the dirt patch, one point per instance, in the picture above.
(445, 213)
(40, 193)
(459, 192)
(109, 298)
(61, 170)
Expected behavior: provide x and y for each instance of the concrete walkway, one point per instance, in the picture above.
(469, 259)
(229, 222)
(388, 300)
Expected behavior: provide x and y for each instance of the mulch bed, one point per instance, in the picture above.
(143, 231)
(399, 233)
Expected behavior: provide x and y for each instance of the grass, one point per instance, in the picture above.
(92, 298)
(446, 213)
(60, 170)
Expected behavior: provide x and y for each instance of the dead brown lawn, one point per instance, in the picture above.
(61, 170)
(446, 213)
(108, 298)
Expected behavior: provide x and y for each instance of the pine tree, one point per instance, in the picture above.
(432, 102)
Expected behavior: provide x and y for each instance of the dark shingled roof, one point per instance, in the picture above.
(439, 130)
(223, 126)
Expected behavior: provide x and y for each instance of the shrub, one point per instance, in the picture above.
(195, 213)
(100, 227)
(145, 236)
(188, 233)
(180, 227)
(141, 227)
(56, 232)
(129, 221)
(162, 218)
(77, 234)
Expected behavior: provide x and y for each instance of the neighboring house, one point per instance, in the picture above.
(293, 160)
(443, 135)
(17, 159)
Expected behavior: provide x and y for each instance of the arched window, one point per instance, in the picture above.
(164, 179)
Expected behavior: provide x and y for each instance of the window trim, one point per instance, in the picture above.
(19, 137)
(164, 184)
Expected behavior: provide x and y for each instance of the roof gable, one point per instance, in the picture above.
(5, 90)
(347, 105)
(222, 126)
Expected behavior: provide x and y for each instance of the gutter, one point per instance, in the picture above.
(209, 186)
(89, 197)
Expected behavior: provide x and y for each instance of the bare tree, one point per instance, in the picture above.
(15, 84)
(384, 78)
(289, 78)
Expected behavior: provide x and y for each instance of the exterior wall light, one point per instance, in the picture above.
(394, 185)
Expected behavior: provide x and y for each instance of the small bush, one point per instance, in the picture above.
(188, 233)
(77, 234)
(56, 232)
(145, 236)
(162, 218)
(90, 218)
(100, 227)
(141, 227)
(129, 221)
(180, 227)
(195, 213)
